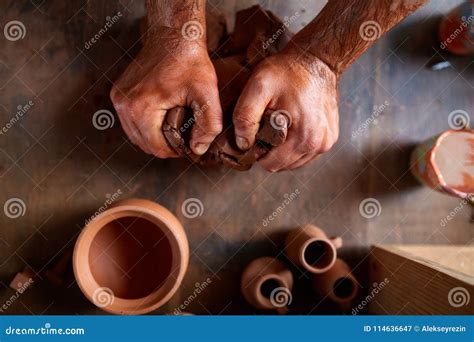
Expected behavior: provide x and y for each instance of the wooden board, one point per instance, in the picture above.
(417, 284)
(63, 168)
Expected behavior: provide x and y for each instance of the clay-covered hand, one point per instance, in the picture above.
(304, 89)
(168, 73)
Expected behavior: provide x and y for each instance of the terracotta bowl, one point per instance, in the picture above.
(131, 258)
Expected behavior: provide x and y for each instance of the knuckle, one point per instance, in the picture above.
(312, 144)
(259, 84)
(243, 120)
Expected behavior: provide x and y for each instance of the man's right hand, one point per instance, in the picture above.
(168, 73)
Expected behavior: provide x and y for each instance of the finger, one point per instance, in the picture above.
(208, 120)
(150, 125)
(282, 156)
(132, 132)
(248, 112)
(304, 160)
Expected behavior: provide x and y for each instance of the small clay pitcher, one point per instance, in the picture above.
(131, 258)
(446, 162)
(337, 284)
(310, 248)
(267, 283)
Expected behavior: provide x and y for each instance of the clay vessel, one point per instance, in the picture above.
(131, 258)
(446, 163)
(310, 248)
(338, 284)
(267, 283)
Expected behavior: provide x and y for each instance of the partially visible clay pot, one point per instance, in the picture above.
(132, 258)
(310, 248)
(338, 283)
(267, 283)
(446, 162)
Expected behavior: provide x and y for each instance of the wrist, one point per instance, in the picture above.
(315, 68)
(177, 21)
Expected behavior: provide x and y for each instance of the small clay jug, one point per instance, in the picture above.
(338, 284)
(131, 258)
(267, 283)
(310, 248)
(446, 161)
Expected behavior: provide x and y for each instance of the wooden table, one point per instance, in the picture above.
(63, 168)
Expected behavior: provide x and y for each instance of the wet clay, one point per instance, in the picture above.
(240, 52)
(131, 256)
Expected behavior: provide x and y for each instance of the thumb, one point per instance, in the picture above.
(208, 121)
(248, 112)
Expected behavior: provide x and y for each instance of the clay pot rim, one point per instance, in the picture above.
(437, 172)
(176, 238)
(353, 294)
(310, 268)
(265, 303)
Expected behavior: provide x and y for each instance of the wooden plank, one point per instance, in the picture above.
(416, 285)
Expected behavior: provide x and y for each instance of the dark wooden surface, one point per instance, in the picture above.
(63, 168)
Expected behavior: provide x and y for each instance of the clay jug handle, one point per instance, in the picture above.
(336, 241)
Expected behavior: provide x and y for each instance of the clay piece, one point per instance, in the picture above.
(131, 258)
(23, 279)
(267, 283)
(252, 40)
(446, 163)
(338, 283)
(310, 248)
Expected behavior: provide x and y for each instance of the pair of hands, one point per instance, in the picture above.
(172, 73)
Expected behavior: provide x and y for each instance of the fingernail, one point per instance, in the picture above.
(242, 143)
(200, 148)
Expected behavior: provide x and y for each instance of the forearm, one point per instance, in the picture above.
(342, 31)
(186, 18)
